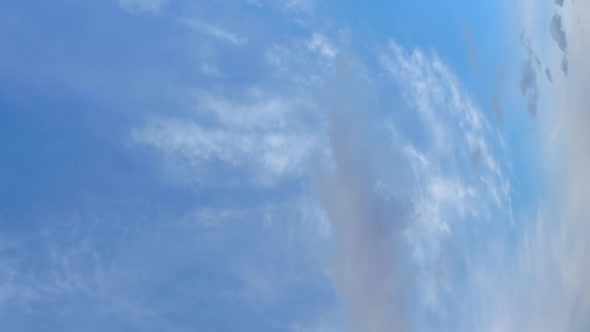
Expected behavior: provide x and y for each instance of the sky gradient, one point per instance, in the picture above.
(294, 165)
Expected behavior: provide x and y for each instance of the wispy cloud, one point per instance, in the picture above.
(418, 205)
(304, 61)
(214, 31)
(306, 6)
(528, 85)
(445, 196)
(528, 77)
(251, 137)
(320, 44)
(549, 269)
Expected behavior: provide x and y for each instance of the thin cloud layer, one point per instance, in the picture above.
(557, 33)
(565, 65)
(571, 226)
(418, 204)
(528, 86)
(550, 267)
(528, 77)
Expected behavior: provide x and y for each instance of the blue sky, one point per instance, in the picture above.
(292, 165)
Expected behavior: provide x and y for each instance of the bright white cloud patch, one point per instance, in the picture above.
(544, 283)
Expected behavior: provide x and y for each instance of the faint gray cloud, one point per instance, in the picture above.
(388, 240)
(565, 65)
(528, 77)
(528, 86)
(557, 33)
(548, 75)
(322, 46)
(558, 2)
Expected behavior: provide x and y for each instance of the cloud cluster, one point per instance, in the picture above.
(549, 265)
(528, 77)
(474, 188)
(414, 200)
(252, 137)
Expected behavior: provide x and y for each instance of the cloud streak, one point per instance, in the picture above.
(557, 33)
(528, 78)
(214, 31)
(393, 217)
(270, 154)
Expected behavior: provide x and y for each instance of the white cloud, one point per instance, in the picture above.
(458, 178)
(251, 137)
(57, 272)
(320, 44)
(431, 190)
(260, 113)
(214, 31)
(305, 61)
(458, 126)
